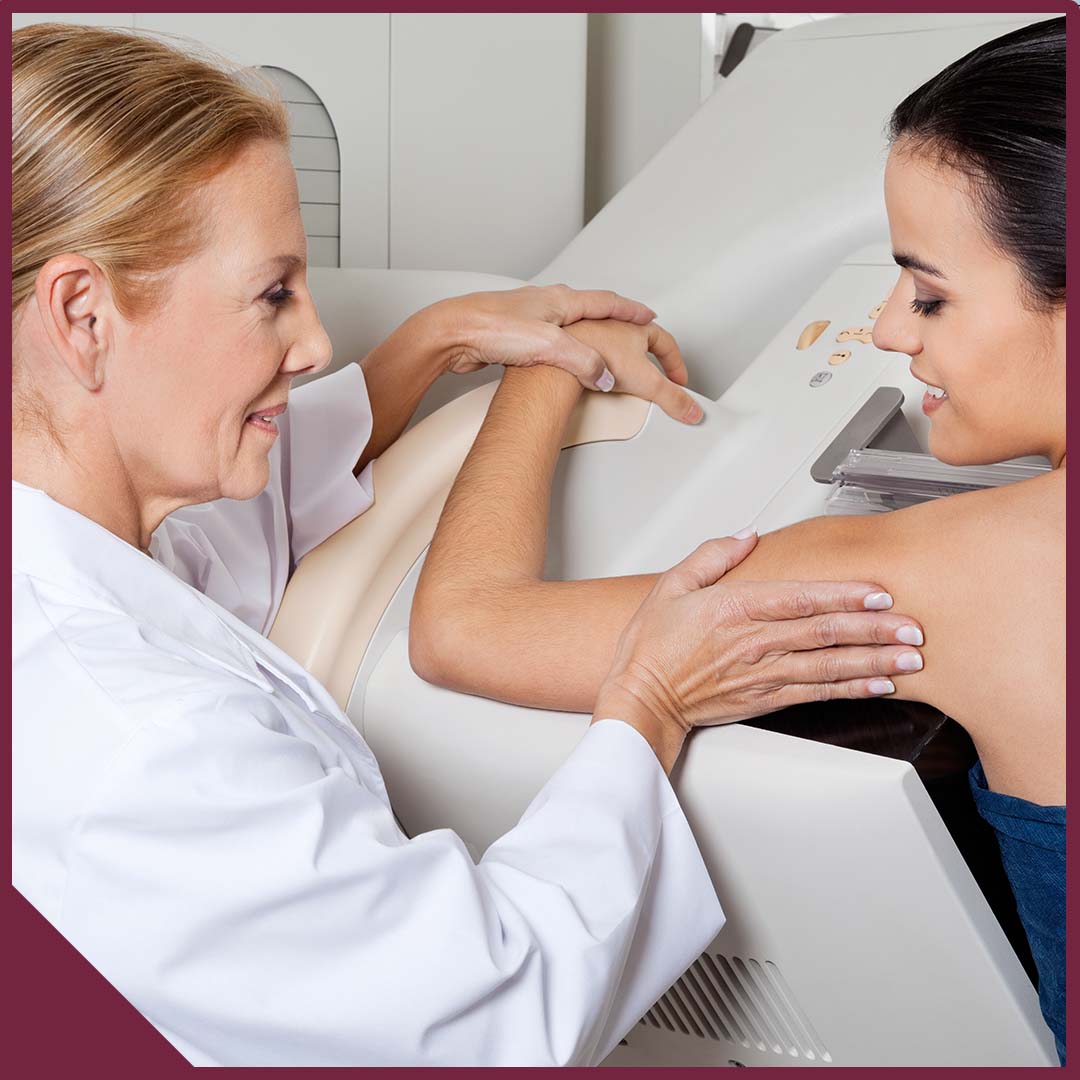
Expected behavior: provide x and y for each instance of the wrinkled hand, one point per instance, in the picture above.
(625, 348)
(699, 651)
(523, 327)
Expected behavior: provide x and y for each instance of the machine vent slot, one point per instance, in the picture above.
(313, 147)
(744, 1002)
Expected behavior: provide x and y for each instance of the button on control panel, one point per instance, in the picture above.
(811, 332)
(865, 334)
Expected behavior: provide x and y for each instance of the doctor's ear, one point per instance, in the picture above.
(73, 298)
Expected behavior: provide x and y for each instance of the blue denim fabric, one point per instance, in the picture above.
(1032, 842)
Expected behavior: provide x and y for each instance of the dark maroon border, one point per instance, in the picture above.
(63, 1017)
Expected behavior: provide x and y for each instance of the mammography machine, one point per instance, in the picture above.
(865, 923)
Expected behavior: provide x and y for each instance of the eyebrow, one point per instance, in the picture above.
(284, 263)
(910, 262)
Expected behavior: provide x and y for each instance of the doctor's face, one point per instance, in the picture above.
(199, 376)
(995, 366)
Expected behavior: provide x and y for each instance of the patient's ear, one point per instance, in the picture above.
(74, 302)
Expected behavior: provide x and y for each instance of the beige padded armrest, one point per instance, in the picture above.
(339, 591)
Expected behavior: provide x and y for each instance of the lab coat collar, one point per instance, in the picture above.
(57, 545)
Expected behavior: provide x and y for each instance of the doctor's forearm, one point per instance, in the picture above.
(484, 621)
(399, 372)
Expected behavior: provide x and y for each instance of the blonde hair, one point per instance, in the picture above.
(112, 134)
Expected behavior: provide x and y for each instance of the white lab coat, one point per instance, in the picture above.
(197, 816)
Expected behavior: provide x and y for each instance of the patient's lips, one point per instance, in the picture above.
(933, 399)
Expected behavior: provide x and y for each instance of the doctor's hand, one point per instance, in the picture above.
(699, 651)
(625, 348)
(524, 327)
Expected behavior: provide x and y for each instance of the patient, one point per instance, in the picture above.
(975, 193)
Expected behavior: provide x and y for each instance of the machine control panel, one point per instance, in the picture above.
(860, 333)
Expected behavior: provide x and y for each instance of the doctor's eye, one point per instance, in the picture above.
(278, 296)
(926, 307)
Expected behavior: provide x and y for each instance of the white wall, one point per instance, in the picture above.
(472, 141)
(345, 60)
(461, 137)
(648, 74)
(487, 140)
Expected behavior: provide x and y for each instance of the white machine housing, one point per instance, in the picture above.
(856, 934)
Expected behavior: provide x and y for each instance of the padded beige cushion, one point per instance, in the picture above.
(340, 589)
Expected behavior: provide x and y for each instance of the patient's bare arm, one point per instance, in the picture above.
(983, 573)
(485, 622)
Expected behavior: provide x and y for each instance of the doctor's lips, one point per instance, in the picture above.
(263, 419)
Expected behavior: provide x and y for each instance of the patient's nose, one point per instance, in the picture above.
(896, 328)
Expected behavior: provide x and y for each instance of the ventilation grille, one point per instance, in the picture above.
(313, 147)
(745, 1002)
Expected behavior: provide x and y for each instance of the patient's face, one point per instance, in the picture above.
(959, 311)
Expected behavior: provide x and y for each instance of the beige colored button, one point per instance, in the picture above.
(811, 333)
(879, 309)
(865, 334)
(840, 357)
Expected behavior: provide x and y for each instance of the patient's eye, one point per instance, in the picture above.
(926, 307)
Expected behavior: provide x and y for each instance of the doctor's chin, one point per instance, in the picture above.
(514, 537)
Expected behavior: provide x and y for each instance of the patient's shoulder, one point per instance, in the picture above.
(981, 565)
(999, 534)
(985, 573)
(951, 546)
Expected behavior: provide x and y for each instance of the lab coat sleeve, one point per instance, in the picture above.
(261, 909)
(329, 426)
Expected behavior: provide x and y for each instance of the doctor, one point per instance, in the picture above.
(190, 808)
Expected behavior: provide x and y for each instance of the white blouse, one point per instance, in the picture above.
(193, 811)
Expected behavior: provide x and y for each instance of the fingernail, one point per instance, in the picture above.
(881, 686)
(695, 414)
(878, 601)
(909, 661)
(744, 534)
(605, 382)
(909, 635)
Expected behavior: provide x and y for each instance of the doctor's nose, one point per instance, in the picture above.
(311, 350)
(897, 327)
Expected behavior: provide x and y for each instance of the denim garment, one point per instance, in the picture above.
(1032, 842)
